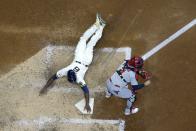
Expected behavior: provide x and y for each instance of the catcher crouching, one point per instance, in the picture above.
(127, 74)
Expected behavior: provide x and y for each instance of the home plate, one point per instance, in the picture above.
(81, 104)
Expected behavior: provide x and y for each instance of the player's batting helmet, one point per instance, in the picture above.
(136, 62)
(71, 76)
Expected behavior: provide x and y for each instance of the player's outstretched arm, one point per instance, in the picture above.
(86, 95)
(49, 82)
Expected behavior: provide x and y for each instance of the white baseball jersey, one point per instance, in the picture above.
(119, 87)
(83, 54)
(128, 75)
(79, 69)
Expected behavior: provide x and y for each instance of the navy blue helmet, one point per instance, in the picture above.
(71, 76)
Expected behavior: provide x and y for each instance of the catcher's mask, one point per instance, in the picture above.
(71, 76)
(136, 62)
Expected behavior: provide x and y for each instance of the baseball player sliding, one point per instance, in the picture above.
(126, 74)
(83, 57)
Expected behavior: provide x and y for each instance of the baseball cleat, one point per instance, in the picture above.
(127, 111)
(134, 110)
(100, 20)
(108, 94)
(97, 23)
(131, 111)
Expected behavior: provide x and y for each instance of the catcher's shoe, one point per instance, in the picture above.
(107, 94)
(131, 111)
(99, 20)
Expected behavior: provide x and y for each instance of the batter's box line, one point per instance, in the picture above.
(50, 51)
(41, 121)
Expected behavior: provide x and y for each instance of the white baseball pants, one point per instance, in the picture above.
(84, 49)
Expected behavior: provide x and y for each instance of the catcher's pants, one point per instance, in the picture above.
(122, 92)
(84, 49)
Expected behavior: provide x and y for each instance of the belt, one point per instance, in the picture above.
(114, 85)
(81, 63)
(118, 72)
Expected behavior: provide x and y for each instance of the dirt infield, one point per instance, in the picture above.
(28, 27)
(20, 87)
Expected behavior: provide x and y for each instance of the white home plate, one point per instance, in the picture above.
(80, 106)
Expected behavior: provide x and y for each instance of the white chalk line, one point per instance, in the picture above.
(41, 121)
(127, 51)
(169, 39)
(50, 49)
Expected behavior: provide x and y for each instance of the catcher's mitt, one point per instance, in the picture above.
(145, 75)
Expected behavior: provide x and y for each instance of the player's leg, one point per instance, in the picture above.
(108, 90)
(130, 109)
(124, 93)
(111, 89)
(84, 38)
(88, 56)
(108, 94)
(90, 31)
(91, 44)
(100, 24)
(130, 96)
(94, 39)
(81, 47)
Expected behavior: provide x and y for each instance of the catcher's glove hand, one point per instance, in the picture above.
(145, 75)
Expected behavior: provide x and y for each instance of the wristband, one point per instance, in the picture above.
(85, 89)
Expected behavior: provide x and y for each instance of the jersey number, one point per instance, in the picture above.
(76, 69)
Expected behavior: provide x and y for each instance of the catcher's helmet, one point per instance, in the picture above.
(136, 62)
(71, 76)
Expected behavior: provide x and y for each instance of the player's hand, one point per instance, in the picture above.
(147, 83)
(88, 108)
